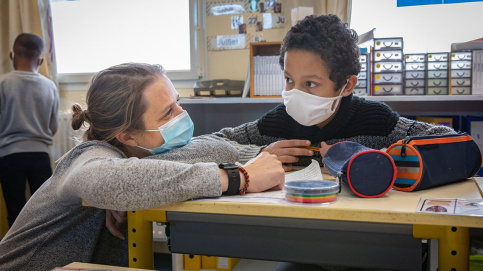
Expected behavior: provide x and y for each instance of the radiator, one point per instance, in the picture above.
(65, 138)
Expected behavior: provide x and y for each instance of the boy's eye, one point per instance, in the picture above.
(288, 80)
(310, 84)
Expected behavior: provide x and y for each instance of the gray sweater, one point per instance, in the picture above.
(54, 229)
(29, 112)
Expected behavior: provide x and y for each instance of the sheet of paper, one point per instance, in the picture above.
(451, 206)
(311, 172)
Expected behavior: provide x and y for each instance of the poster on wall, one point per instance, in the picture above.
(273, 20)
(226, 7)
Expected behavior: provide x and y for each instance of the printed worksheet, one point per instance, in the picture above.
(451, 206)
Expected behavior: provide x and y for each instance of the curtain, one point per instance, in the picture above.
(26, 16)
(337, 7)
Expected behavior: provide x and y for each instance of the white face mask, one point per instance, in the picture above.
(308, 109)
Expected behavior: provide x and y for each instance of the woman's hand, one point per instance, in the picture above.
(265, 172)
(288, 150)
(114, 221)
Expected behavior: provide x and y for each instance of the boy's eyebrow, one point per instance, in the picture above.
(308, 76)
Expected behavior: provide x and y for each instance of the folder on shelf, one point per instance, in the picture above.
(192, 262)
(208, 262)
(224, 263)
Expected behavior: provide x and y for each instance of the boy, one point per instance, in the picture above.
(29, 112)
(320, 60)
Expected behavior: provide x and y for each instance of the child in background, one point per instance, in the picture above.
(320, 60)
(132, 113)
(29, 111)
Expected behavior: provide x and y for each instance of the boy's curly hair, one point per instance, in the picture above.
(329, 37)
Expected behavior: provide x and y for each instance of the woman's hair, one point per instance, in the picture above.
(329, 37)
(115, 101)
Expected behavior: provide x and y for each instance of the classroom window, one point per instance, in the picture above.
(429, 28)
(91, 35)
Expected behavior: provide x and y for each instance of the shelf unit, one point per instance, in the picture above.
(261, 48)
(212, 114)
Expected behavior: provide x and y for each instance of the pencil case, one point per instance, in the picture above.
(428, 161)
(367, 172)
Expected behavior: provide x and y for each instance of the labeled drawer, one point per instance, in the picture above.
(461, 82)
(360, 91)
(438, 57)
(388, 78)
(460, 65)
(390, 55)
(414, 83)
(460, 90)
(415, 66)
(415, 57)
(414, 91)
(438, 82)
(382, 67)
(388, 44)
(363, 67)
(363, 58)
(460, 73)
(432, 66)
(380, 90)
(437, 91)
(415, 75)
(361, 84)
(362, 76)
(461, 56)
(438, 74)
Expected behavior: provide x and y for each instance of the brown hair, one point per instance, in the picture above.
(114, 101)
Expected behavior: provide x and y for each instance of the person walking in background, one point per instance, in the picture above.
(28, 121)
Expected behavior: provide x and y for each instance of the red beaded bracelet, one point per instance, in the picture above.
(243, 191)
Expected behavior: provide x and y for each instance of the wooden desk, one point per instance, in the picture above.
(100, 266)
(382, 232)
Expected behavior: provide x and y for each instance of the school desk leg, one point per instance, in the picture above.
(454, 245)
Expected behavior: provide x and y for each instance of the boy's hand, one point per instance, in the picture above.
(288, 150)
(324, 148)
(114, 221)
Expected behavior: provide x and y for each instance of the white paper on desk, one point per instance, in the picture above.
(311, 172)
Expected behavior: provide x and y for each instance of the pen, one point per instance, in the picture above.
(312, 148)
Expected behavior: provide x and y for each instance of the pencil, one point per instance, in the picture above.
(312, 148)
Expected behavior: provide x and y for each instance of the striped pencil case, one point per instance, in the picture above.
(427, 161)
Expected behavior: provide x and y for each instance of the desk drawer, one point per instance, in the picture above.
(460, 73)
(461, 65)
(415, 66)
(437, 66)
(360, 91)
(388, 78)
(415, 75)
(381, 90)
(460, 82)
(438, 74)
(461, 56)
(437, 91)
(415, 91)
(437, 82)
(415, 58)
(438, 57)
(382, 67)
(388, 44)
(460, 90)
(414, 83)
(392, 55)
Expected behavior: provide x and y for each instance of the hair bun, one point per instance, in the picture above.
(78, 116)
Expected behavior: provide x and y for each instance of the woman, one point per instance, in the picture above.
(132, 113)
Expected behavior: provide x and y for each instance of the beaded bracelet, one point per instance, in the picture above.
(243, 191)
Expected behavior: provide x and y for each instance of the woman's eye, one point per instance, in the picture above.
(288, 80)
(168, 113)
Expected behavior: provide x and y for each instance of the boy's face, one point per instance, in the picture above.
(306, 71)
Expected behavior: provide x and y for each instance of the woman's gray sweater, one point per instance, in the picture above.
(54, 229)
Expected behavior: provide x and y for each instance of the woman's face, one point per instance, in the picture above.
(162, 106)
(306, 71)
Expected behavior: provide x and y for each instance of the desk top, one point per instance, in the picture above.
(91, 266)
(393, 207)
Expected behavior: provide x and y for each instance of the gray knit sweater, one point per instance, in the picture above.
(54, 229)
(29, 111)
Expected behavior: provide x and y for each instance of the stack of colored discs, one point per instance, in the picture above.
(317, 191)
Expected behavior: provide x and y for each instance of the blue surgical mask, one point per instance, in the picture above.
(176, 133)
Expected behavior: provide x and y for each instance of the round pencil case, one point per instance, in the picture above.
(367, 172)
(428, 161)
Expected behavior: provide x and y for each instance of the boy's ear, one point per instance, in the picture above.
(11, 55)
(351, 84)
(40, 61)
(126, 139)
